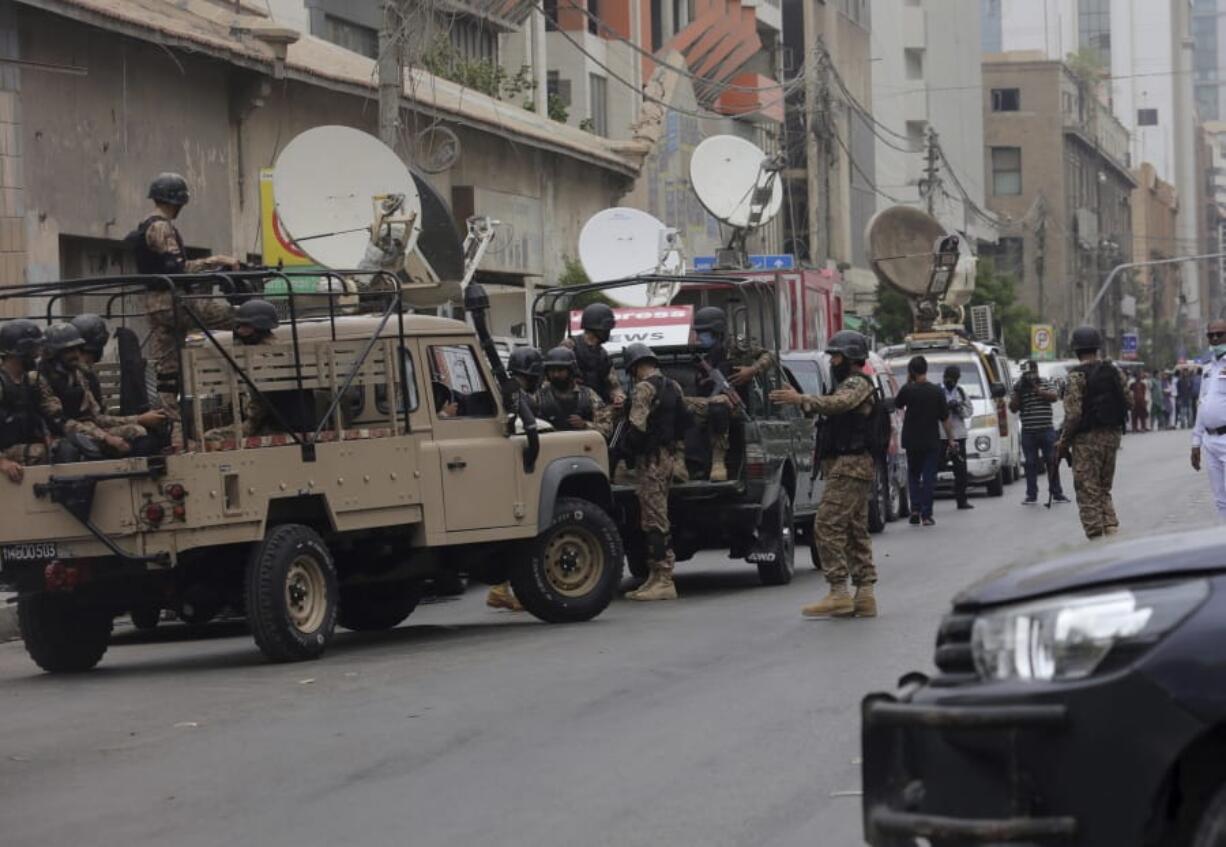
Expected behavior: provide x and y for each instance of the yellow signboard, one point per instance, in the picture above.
(1042, 341)
(279, 251)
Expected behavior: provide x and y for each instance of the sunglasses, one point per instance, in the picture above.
(1216, 334)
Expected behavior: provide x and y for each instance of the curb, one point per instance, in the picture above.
(8, 622)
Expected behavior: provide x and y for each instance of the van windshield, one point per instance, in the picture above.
(971, 381)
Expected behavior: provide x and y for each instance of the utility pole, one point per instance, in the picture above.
(814, 68)
(932, 170)
(391, 71)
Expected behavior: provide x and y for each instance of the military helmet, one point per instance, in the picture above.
(61, 337)
(169, 188)
(562, 357)
(710, 319)
(598, 317)
(525, 361)
(638, 352)
(20, 338)
(850, 343)
(94, 330)
(1086, 338)
(259, 314)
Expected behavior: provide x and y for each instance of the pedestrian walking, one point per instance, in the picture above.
(1209, 432)
(1140, 403)
(1183, 397)
(960, 410)
(1156, 407)
(845, 445)
(1032, 399)
(926, 414)
(1095, 408)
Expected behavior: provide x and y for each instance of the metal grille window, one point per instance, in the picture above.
(598, 90)
(1006, 170)
(351, 36)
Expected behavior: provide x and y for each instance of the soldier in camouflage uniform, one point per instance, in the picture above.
(840, 527)
(1095, 409)
(254, 324)
(159, 250)
(25, 437)
(595, 366)
(63, 383)
(565, 403)
(654, 418)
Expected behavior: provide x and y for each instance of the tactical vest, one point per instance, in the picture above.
(1104, 405)
(149, 262)
(20, 420)
(69, 390)
(95, 387)
(557, 409)
(594, 368)
(665, 423)
(848, 434)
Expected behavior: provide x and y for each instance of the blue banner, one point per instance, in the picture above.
(758, 262)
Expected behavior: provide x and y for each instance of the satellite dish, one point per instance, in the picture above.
(619, 243)
(326, 183)
(440, 246)
(899, 243)
(727, 172)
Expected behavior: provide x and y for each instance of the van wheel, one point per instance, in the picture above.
(570, 571)
(996, 487)
(377, 606)
(782, 565)
(145, 618)
(1211, 828)
(291, 594)
(60, 635)
(879, 500)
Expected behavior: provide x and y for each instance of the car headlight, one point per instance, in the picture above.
(983, 444)
(1069, 636)
(984, 422)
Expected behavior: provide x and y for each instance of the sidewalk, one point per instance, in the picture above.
(8, 617)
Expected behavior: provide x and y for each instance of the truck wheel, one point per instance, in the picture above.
(291, 594)
(782, 564)
(377, 606)
(996, 487)
(61, 636)
(145, 618)
(1211, 828)
(570, 571)
(879, 501)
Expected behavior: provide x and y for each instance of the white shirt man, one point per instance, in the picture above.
(1209, 433)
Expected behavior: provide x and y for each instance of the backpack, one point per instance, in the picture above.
(1104, 406)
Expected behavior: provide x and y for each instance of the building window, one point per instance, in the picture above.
(915, 133)
(657, 25)
(598, 90)
(555, 86)
(913, 59)
(474, 39)
(1006, 170)
(1094, 27)
(593, 20)
(1147, 117)
(550, 8)
(351, 36)
(1006, 99)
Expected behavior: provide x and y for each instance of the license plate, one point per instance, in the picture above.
(35, 552)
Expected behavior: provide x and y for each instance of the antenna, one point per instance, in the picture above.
(622, 243)
(740, 186)
(910, 252)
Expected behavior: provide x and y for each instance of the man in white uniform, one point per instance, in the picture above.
(1209, 433)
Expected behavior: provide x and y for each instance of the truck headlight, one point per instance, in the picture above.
(983, 422)
(1069, 636)
(983, 444)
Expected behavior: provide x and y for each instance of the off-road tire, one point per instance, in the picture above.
(60, 635)
(537, 576)
(879, 500)
(145, 618)
(783, 543)
(996, 487)
(1211, 828)
(290, 556)
(377, 606)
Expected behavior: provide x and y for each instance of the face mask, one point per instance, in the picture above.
(249, 340)
(951, 384)
(1219, 350)
(560, 383)
(707, 340)
(842, 370)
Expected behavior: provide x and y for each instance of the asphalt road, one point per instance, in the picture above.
(722, 719)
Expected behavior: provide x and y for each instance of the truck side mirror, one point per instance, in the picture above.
(998, 390)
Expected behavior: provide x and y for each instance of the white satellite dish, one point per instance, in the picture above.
(731, 182)
(619, 243)
(328, 183)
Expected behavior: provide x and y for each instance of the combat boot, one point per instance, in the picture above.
(865, 601)
(719, 470)
(633, 593)
(659, 586)
(500, 597)
(836, 604)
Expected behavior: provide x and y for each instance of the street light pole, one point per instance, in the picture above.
(1085, 319)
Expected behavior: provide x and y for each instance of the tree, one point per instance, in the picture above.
(999, 290)
(892, 315)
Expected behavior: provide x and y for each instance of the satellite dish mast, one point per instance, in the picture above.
(740, 186)
(623, 243)
(911, 253)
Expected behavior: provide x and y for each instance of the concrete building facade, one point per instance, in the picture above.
(1056, 171)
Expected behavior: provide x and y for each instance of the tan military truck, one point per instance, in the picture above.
(388, 459)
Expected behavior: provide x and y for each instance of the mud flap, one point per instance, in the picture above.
(762, 549)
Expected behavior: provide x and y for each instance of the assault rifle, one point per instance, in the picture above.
(720, 382)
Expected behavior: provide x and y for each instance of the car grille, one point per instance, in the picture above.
(953, 655)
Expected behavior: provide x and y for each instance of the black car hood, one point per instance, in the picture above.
(1099, 563)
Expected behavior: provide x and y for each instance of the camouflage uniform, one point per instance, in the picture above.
(840, 527)
(653, 476)
(35, 452)
(1093, 460)
(603, 418)
(613, 384)
(92, 420)
(168, 326)
(713, 414)
(259, 420)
